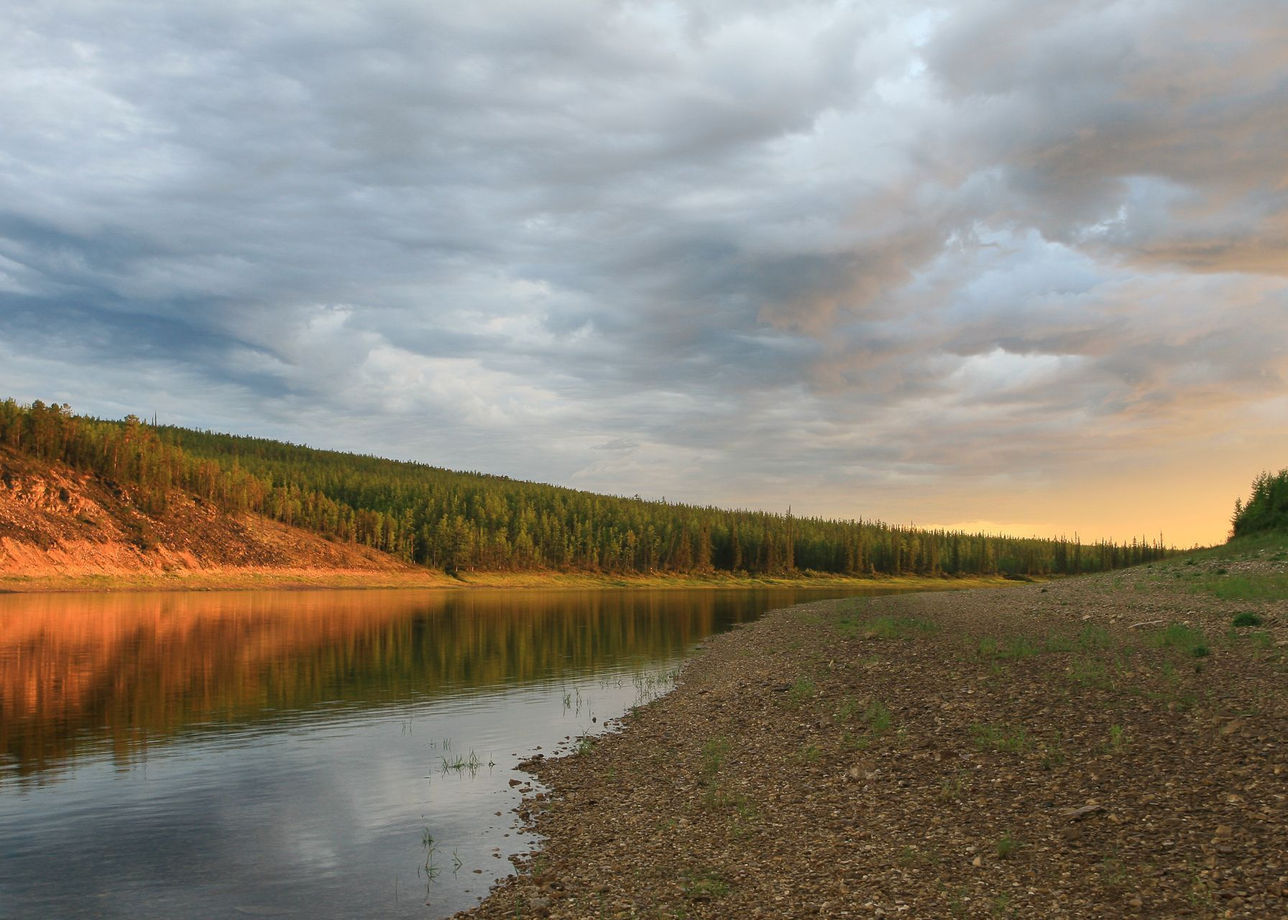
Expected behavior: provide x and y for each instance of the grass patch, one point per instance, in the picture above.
(804, 689)
(1271, 545)
(1053, 753)
(1008, 648)
(706, 887)
(1181, 638)
(713, 755)
(1094, 637)
(1058, 643)
(1012, 739)
(1255, 587)
(1247, 618)
(952, 788)
(1113, 873)
(847, 710)
(1090, 672)
(1007, 846)
(878, 717)
(1264, 639)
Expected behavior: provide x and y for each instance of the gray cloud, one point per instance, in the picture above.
(736, 252)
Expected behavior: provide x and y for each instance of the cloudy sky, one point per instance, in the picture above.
(999, 264)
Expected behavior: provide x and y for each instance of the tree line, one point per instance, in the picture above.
(1267, 507)
(457, 521)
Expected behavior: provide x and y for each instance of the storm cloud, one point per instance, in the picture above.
(962, 263)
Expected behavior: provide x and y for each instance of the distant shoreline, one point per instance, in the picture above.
(308, 578)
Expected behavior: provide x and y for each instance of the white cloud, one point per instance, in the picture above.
(766, 250)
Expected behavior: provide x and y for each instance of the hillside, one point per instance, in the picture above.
(57, 523)
(470, 522)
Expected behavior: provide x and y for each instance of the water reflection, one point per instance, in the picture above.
(131, 669)
(286, 753)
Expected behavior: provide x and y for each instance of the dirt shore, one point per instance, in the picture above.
(1104, 746)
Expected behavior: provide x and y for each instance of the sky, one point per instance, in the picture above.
(1002, 265)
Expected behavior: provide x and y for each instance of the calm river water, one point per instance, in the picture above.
(305, 753)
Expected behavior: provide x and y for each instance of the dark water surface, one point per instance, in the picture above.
(294, 753)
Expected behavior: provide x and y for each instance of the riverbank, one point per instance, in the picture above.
(1094, 747)
(241, 579)
(270, 577)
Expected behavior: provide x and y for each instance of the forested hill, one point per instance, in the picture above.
(469, 521)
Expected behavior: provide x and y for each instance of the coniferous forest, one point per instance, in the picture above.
(1267, 508)
(471, 521)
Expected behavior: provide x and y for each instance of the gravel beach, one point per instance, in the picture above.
(1099, 746)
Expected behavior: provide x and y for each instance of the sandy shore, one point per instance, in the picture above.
(1097, 747)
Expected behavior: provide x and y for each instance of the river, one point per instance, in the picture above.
(306, 753)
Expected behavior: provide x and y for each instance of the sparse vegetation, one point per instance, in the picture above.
(1267, 586)
(878, 717)
(803, 689)
(1009, 738)
(706, 887)
(713, 755)
(1007, 846)
(1182, 638)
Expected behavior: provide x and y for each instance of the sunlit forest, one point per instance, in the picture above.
(460, 522)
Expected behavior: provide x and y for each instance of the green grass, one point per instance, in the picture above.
(1007, 846)
(1091, 672)
(460, 764)
(878, 717)
(1058, 643)
(879, 720)
(846, 711)
(952, 788)
(1267, 586)
(1181, 638)
(713, 755)
(1053, 753)
(802, 690)
(1247, 618)
(1264, 545)
(714, 752)
(1093, 637)
(1009, 738)
(706, 887)
(1263, 639)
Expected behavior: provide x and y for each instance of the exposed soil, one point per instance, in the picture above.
(1103, 746)
(63, 528)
